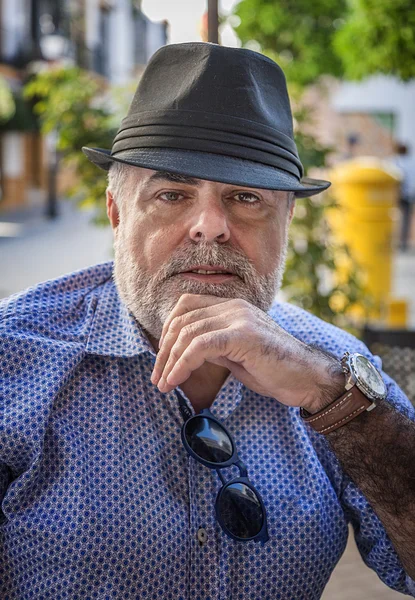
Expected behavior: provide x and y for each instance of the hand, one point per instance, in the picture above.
(263, 356)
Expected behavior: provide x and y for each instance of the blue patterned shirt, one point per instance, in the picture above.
(101, 500)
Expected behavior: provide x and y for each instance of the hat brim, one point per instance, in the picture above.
(213, 167)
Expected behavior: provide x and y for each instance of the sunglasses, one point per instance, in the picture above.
(239, 508)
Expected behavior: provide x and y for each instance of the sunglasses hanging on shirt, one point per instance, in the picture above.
(239, 508)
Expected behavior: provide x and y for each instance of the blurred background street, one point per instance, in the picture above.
(68, 69)
(34, 248)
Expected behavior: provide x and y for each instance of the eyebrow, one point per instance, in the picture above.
(173, 177)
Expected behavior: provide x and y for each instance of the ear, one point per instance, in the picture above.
(112, 210)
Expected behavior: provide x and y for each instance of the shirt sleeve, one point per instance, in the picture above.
(34, 370)
(372, 541)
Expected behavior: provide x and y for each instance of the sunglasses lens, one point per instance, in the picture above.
(240, 510)
(208, 440)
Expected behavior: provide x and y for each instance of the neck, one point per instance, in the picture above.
(203, 384)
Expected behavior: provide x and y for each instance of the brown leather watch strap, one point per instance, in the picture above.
(339, 412)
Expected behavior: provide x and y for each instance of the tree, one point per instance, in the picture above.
(343, 38)
(7, 104)
(378, 37)
(80, 108)
(297, 34)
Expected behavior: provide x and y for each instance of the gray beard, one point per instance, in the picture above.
(151, 298)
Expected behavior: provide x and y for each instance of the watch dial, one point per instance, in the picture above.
(369, 375)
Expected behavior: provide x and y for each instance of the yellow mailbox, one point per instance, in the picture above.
(367, 191)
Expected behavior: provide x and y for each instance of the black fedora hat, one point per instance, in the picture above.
(215, 113)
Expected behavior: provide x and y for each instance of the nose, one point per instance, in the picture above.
(210, 223)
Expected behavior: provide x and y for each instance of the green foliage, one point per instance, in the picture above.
(378, 37)
(22, 118)
(297, 34)
(315, 277)
(312, 153)
(7, 104)
(75, 104)
(344, 38)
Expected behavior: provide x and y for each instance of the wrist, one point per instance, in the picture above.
(329, 384)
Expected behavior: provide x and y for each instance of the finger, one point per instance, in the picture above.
(177, 325)
(186, 336)
(175, 328)
(207, 347)
(187, 303)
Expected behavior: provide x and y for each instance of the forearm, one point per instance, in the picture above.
(377, 451)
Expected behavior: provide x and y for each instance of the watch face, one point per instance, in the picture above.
(368, 377)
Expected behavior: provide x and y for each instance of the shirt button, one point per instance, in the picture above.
(202, 535)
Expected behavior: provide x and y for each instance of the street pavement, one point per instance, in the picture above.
(33, 249)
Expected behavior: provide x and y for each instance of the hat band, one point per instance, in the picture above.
(217, 142)
(213, 121)
(209, 132)
(210, 146)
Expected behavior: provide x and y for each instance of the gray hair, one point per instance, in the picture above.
(117, 176)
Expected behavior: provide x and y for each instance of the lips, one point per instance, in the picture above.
(208, 270)
(208, 274)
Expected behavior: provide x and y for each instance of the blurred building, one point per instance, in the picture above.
(379, 112)
(119, 38)
(112, 38)
(364, 118)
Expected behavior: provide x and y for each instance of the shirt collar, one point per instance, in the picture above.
(114, 330)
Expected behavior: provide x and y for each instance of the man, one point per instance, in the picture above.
(104, 368)
(407, 192)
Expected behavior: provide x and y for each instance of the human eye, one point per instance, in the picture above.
(247, 197)
(171, 196)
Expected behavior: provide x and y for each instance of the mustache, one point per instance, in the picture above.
(229, 258)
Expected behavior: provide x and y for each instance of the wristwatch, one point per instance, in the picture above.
(364, 386)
